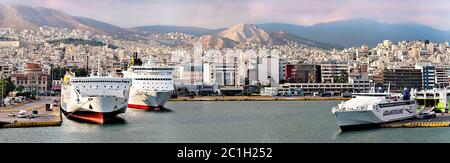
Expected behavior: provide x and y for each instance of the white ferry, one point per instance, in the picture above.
(95, 98)
(373, 109)
(152, 85)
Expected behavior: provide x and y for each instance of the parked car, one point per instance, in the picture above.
(11, 115)
(326, 94)
(22, 114)
(347, 94)
(55, 103)
(427, 115)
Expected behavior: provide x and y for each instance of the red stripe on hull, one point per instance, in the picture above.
(142, 107)
(90, 117)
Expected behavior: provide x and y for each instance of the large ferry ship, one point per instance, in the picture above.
(152, 85)
(94, 99)
(373, 109)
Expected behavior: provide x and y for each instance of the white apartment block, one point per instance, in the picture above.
(268, 70)
(5, 70)
(330, 71)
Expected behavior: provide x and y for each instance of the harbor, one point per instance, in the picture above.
(224, 122)
(47, 118)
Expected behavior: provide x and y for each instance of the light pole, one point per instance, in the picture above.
(1, 90)
(51, 80)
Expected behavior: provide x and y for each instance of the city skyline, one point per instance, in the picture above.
(216, 14)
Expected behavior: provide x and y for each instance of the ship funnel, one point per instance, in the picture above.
(137, 61)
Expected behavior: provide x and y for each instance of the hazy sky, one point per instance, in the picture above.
(223, 13)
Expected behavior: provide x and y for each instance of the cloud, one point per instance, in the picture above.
(222, 13)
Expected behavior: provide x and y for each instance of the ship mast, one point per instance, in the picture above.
(389, 88)
(98, 67)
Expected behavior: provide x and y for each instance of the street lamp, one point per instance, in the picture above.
(1, 90)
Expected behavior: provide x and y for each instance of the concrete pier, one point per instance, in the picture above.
(442, 120)
(44, 118)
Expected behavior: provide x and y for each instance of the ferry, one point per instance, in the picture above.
(94, 99)
(373, 109)
(152, 85)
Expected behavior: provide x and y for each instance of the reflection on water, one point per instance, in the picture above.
(114, 120)
(162, 110)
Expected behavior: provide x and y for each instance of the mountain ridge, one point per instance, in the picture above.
(343, 33)
(25, 17)
(357, 32)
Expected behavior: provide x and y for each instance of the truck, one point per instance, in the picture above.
(18, 99)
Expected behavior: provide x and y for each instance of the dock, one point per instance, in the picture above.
(441, 120)
(44, 118)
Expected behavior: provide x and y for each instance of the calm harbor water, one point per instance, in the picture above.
(224, 122)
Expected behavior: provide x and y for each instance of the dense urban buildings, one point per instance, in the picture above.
(32, 79)
(398, 79)
(29, 58)
(303, 73)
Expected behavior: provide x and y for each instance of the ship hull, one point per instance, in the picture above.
(355, 120)
(152, 86)
(93, 117)
(149, 100)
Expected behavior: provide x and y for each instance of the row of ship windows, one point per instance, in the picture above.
(152, 79)
(98, 87)
(153, 74)
(154, 87)
(165, 83)
(100, 81)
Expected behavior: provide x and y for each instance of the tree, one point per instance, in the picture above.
(2, 88)
(58, 72)
(81, 72)
(6, 86)
(343, 78)
(20, 89)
